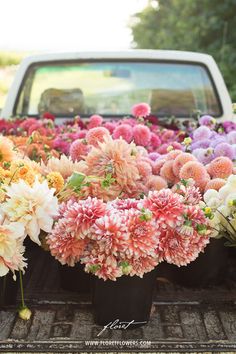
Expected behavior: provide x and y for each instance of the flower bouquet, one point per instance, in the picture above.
(28, 206)
(109, 222)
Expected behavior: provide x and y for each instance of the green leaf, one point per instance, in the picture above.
(76, 180)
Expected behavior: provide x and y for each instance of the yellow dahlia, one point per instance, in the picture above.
(55, 180)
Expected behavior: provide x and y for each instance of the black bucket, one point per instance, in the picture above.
(75, 278)
(209, 269)
(8, 290)
(126, 301)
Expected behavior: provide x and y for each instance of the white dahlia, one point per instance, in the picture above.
(34, 206)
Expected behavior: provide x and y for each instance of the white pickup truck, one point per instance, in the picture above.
(174, 83)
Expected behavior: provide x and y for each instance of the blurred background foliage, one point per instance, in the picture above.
(207, 26)
(8, 67)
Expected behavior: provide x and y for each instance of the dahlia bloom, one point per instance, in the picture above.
(201, 133)
(110, 126)
(156, 167)
(123, 204)
(81, 215)
(11, 247)
(110, 232)
(156, 183)
(180, 249)
(155, 141)
(201, 144)
(141, 110)
(224, 149)
(144, 264)
(66, 248)
(204, 156)
(78, 150)
(180, 161)
(55, 180)
(197, 172)
(142, 135)
(207, 120)
(215, 183)
(95, 121)
(97, 135)
(34, 206)
(6, 150)
(153, 156)
(221, 167)
(231, 137)
(124, 131)
(142, 235)
(115, 157)
(167, 173)
(166, 207)
(173, 154)
(103, 266)
(64, 165)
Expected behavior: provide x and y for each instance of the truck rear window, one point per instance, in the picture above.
(111, 88)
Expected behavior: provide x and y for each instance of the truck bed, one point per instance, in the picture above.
(182, 320)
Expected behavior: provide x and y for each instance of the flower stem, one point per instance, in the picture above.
(21, 290)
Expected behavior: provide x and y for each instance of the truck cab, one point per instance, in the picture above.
(174, 83)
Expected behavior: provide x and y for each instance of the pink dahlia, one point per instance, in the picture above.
(215, 183)
(143, 264)
(156, 183)
(197, 172)
(192, 195)
(141, 110)
(124, 131)
(66, 248)
(174, 248)
(153, 156)
(124, 204)
(163, 149)
(173, 154)
(167, 135)
(142, 135)
(27, 123)
(110, 126)
(80, 216)
(103, 266)
(37, 127)
(156, 167)
(167, 173)
(110, 232)
(181, 160)
(82, 134)
(155, 141)
(95, 121)
(79, 149)
(96, 135)
(143, 239)
(166, 207)
(144, 168)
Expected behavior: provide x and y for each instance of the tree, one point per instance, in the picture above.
(206, 26)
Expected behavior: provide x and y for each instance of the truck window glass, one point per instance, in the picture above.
(111, 88)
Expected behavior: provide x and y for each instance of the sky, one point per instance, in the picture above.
(66, 25)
